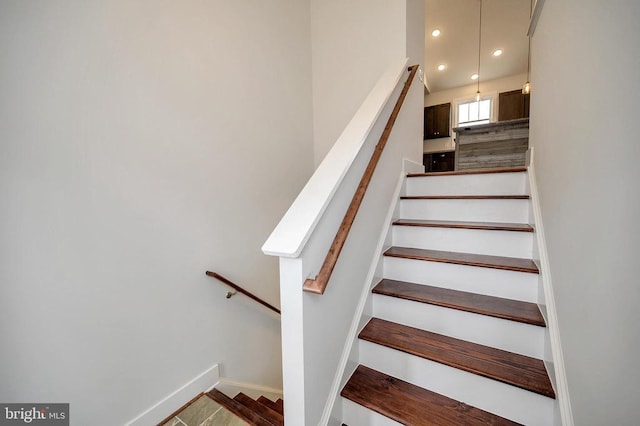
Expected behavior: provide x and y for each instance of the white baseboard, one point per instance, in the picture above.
(163, 408)
(562, 388)
(231, 388)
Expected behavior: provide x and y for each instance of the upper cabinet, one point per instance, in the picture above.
(437, 121)
(513, 105)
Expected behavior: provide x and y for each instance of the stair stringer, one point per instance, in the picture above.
(332, 414)
(554, 360)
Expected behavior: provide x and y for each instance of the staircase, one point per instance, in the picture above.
(259, 412)
(456, 336)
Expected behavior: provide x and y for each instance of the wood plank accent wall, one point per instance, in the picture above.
(493, 145)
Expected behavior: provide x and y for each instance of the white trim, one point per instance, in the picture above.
(535, 16)
(366, 291)
(409, 166)
(427, 85)
(294, 230)
(562, 390)
(486, 95)
(232, 387)
(167, 405)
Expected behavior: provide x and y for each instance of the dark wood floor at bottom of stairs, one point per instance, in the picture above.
(409, 404)
(264, 411)
(243, 411)
(275, 406)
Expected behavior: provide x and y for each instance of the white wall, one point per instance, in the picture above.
(142, 143)
(415, 32)
(505, 84)
(585, 86)
(415, 53)
(444, 96)
(353, 43)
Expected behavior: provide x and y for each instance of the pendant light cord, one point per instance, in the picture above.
(529, 50)
(479, 43)
(529, 61)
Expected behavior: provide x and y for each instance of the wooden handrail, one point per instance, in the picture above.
(319, 284)
(236, 287)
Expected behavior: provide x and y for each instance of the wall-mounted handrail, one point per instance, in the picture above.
(247, 293)
(319, 284)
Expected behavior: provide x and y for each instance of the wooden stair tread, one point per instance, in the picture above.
(267, 413)
(280, 404)
(470, 172)
(465, 197)
(239, 409)
(513, 310)
(489, 226)
(269, 403)
(481, 260)
(410, 404)
(507, 367)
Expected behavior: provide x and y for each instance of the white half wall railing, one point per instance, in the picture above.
(316, 328)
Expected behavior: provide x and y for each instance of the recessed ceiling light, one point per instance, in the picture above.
(442, 67)
(474, 77)
(435, 32)
(498, 52)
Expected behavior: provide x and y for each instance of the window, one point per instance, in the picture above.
(469, 112)
(474, 112)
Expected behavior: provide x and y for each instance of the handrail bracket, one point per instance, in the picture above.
(237, 289)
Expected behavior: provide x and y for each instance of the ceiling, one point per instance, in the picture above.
(504, 26)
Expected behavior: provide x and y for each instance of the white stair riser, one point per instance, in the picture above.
(490, 395)
(478, 241)
(356, 415)
(479, 184)
(510, 210)
(499, 333)
(489, 281)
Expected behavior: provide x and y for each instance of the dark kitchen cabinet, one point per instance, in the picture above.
(513, 105)
(437, 121)
(439, 161)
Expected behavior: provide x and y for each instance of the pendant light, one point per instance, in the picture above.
(479, 46)
(526, 88)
